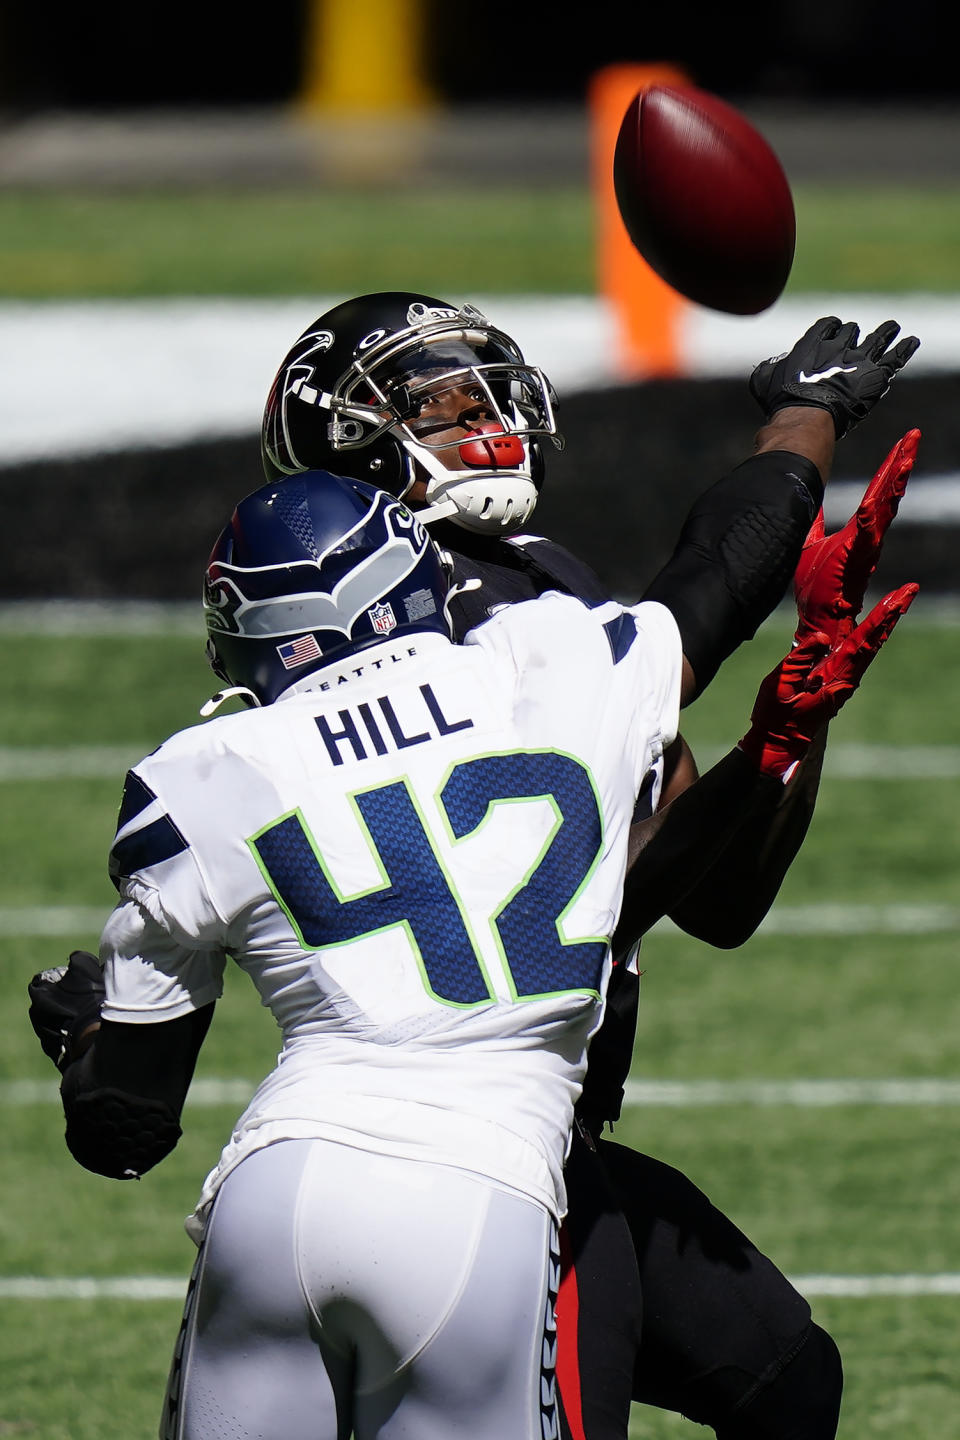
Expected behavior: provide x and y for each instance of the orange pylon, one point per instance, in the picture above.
(647, 311)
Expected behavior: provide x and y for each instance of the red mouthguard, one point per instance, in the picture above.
(494, 450)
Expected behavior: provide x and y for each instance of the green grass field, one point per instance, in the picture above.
(866, 1189)
(850, 239)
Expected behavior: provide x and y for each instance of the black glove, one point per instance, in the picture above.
(827, 367)
(63, 1002)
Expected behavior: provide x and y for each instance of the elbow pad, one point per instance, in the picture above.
(736, 555)
(116, 1134)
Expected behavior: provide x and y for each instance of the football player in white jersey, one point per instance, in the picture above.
(416, 851)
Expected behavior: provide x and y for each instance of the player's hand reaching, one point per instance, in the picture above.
(834, 570)
(830, 651)
(811, 684)
(64, 1003)
(831, 367)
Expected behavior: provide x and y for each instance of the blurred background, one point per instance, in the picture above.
(182, 192)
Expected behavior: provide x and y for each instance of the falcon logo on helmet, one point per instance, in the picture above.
(404, 388)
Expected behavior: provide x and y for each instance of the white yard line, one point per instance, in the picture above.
(24, 921)
(840, 919)
(70, 762)
(163, 1287)
(843, 762)
(870, 1286)
(206, 364)
(204, 1094)
(892, 762)
(855, 761)
(119, 1287)
(100, 618)
(21, 921)
(936, 1091)
(692, 1094)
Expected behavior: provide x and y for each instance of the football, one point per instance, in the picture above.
(704, 199)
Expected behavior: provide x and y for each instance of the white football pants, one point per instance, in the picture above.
(339, 1292)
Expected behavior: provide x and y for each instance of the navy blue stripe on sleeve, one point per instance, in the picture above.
(137, 795)
(158, 841)
(621, 634)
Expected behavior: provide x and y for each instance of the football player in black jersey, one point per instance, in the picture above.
(432, 402)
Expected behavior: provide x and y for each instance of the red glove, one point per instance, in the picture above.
(812, 683)
(834, 570)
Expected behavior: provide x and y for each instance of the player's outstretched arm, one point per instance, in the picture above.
(731, 898)
(769, 821)
(794, 705)
(742, 540)
(738, 830)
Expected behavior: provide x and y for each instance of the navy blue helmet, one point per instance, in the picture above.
(310, 570)
(349, 394)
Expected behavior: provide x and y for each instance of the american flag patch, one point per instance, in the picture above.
(419, 604)
(299, 651)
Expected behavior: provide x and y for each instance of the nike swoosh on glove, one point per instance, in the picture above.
(831, 367)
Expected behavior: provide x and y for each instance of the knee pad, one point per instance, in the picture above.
(800, 1402)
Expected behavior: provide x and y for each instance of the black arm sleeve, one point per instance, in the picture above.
(122, 1099)
(720, 854)
(611, 1051)
(729, 900)
(692, 835)
(736, 554)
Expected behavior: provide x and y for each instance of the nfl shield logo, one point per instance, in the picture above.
(383, 619)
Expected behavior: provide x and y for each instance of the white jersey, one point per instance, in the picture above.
(419, 862)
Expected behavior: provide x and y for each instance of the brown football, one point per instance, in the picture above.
(704, 199)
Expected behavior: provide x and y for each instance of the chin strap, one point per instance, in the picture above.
(474, 583)
(486, 504)
(487, 500)
(442, 510)
(209, 707)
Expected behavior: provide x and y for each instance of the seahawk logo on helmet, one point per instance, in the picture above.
(351, 404)
(321, 556)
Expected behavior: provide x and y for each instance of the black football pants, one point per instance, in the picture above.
(723, 1337)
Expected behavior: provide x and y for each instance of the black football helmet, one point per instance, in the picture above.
(312, 570)
(349, 393)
